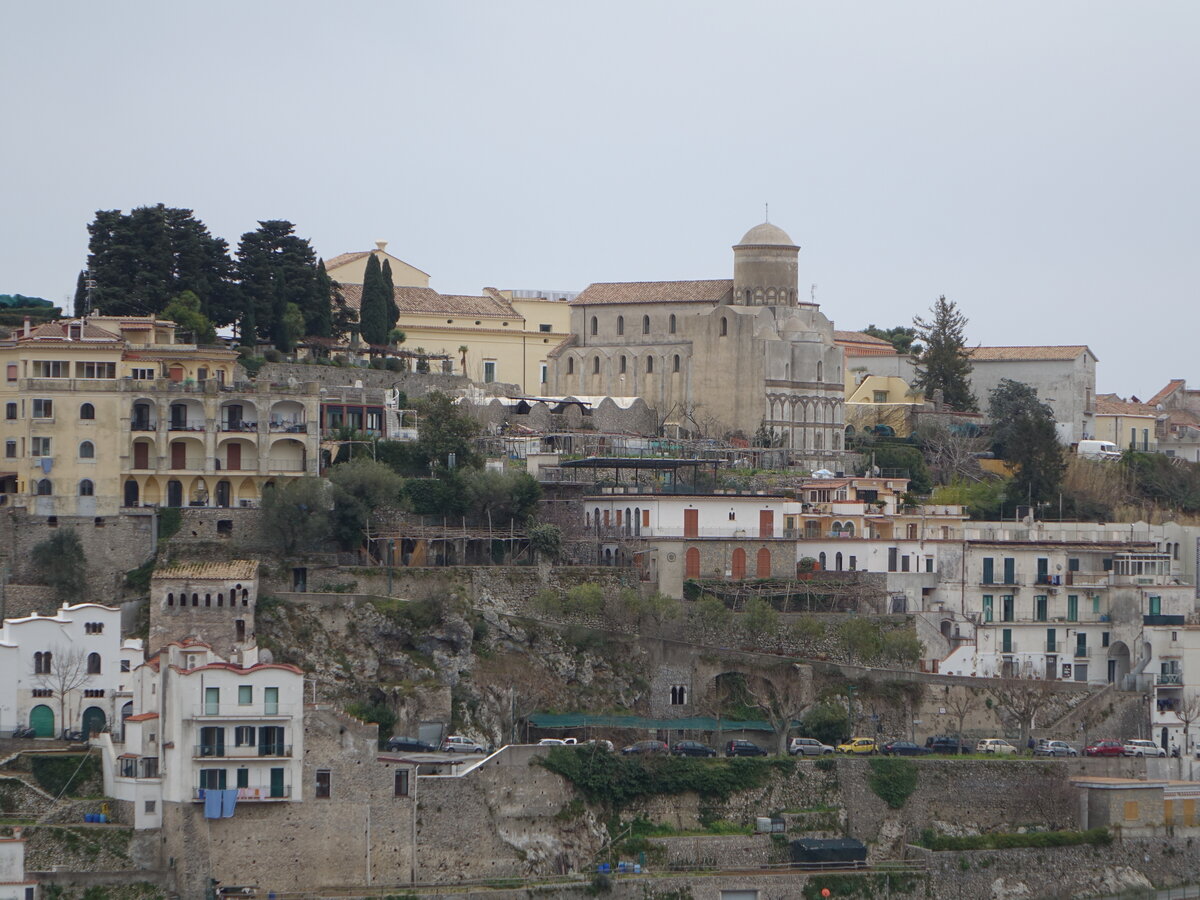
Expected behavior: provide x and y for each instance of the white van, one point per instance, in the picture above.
(1098, 450)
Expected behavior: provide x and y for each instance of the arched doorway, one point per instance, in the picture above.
(1118, 662)
(41, 720)
(762, 568)
(174, 493)
(131, 492)
(126, 712)
(222, 494)
(94, 721)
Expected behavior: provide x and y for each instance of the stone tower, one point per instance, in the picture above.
(765, 265)
(207, 601)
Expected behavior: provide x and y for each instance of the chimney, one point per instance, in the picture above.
(381, 246)
(27, 326)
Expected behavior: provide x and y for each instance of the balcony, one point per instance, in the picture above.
(248, 794)
(236, 711)
(289, 427)
(283, 464)
(1163, 620)
(1082, 651)
(191, 425)
(240, 426)
(1169, 679)
(1054, 646)
(253, 751)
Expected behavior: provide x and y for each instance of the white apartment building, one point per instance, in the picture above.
(203, 724)
(13, 883)
(69, 671)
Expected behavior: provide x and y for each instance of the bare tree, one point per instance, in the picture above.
(1188, 712)
(1023, 699)
(960, 706)
(783, 694)
(65, 672)
(951, 454)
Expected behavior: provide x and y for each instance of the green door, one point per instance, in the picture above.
(277, 782)
(94, 721)
(41, 720)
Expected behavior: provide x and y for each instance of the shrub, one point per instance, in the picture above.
(893, 780)
(272, 355)
(1098, 837)
(585, 600)
(64, 774)
(170, 519)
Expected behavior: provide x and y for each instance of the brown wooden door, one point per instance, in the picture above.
(691, 523)
(762, 568)
(691, 563)
(234, 457)
(141, 455)
(738, 564)
(766, 523)
(179, 455)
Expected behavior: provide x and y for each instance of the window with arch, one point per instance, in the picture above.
(671, 324)
(675, 363)
(622, 365)
(570, 365)
(42, 663)
(170, 599)
(595, 365)
(820, 371)
(87, 411)
(724, 326)
(44, 488)
(821, 561)
(87, 450)
(749, 297)
(595, 325)
(649, 364)
(620, 324)
(837, 561)
(93, 664)
(645, 324)
(87, 488)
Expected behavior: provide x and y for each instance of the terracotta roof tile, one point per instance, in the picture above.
(1172, 386)
(1112, 405)
(58, 331)
(234, 570)
(1044, 353)
(342, 258)
(427, 301)
(141, 717)
(713, 291)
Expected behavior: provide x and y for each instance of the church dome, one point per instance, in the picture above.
(768, 234)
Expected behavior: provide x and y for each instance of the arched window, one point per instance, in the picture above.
(86, 488)
(195, 599)
(44, 488)
(245, 596)
(595, 365)
(645, 324)
(821, 560)
(837, 561)
(820, 370)
(570, 365)
(595, 325)
(724, 326)
(675, 363)
(93, 664)
(849, 526)
(596, 518)
(87, 450)
(170, 599)
(220, 599)
(649, 364)
(749, 298)
(620, 324)
(671, 324)
(87, 411)
(622, 365)
(208, 599)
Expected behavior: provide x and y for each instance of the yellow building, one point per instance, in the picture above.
(503, 336)
(879, 401)
(1128, 424)
(109, 412)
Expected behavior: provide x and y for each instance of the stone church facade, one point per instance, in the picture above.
(717, 357)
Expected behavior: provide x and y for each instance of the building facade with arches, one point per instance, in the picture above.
(68, 671)
(107, 413)
(716, 357)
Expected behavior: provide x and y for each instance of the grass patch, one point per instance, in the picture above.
(64, 774)
(893, 780)
(1098, 837)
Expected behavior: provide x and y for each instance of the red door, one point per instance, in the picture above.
(766, 523)
(691, 523)
(141, 455)
(738, 567)
(762, 568)
(691, 563)
(179, 455)
(234, 457)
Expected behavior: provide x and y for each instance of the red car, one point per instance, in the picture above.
(1104, 748)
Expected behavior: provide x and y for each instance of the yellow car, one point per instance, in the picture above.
(859, 746)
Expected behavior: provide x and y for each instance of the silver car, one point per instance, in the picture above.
(808, 747)
(1055, 748)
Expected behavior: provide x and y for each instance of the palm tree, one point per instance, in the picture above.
(463, 352)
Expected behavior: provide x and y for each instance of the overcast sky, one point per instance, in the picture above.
(1037, 162)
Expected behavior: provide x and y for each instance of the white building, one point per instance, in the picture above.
(13, 883)
(202, 724)
(69, 671)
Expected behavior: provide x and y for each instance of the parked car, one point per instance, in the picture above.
(409, 745)
(904, 748)
(744, 748)
(858, 746)
(1143, 748)
(457, 743)
(600, 743)
(808, 747)
(1104, 748)
(939, 743)
(551, 742)
(692, 748)
(1055, 748)
(994, 745)
(645, 747)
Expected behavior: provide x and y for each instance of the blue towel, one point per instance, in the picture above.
(228, 803)
(212, 804)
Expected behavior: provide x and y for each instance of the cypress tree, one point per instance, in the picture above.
(318, 320)
(942, 364)
(81, 293)
(393, 311)
(247, 335)
(373, 313)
